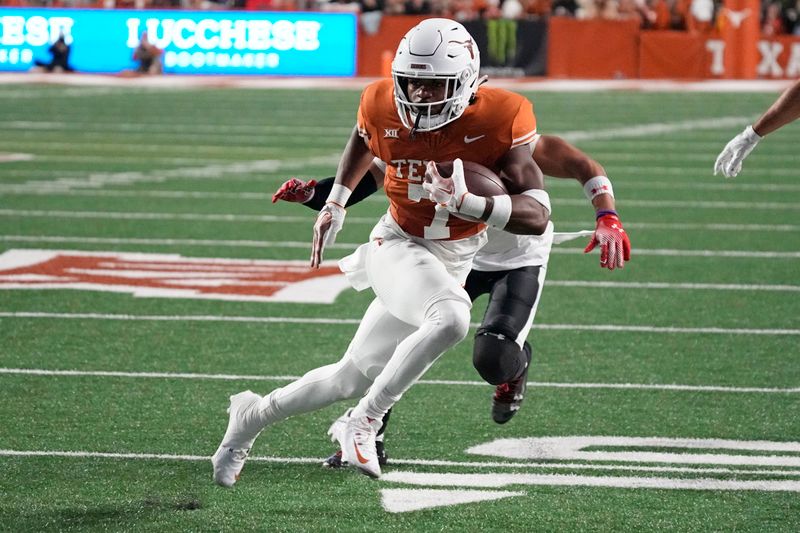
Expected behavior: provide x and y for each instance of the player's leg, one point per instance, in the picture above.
(415, 286)
(373, 344)
(370, 350)
(501, 354)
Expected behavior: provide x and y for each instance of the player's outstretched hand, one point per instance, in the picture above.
(295, 190)
(729, 161)
(615, 247)
(329, 222)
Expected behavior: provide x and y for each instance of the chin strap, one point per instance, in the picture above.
(413, 133)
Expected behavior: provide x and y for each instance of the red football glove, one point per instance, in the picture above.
(295, 190)
(615, 247)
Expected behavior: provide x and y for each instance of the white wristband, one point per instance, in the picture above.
(541, 196)
(501, 211)
(339, 194)
(596, 186)
(472, 205)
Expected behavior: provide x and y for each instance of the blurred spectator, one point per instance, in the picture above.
(148, 55)
(440, 8)
(662, 14)
(701, 16)
(565, 8)
(680, 14)
(462, 10)
(371, 13)
(511, 9)
(597, 9)
(394, 7)
(628, 10)
(485, 9)
(791, 17)
(339, 6)
(772, 21)
(538, 8)
(59, 60)
(418, 7)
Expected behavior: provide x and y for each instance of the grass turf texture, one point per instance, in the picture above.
(144, 144)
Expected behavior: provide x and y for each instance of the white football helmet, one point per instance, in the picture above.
(436, 49)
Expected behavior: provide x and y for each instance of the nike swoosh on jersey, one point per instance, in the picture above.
(468, 139)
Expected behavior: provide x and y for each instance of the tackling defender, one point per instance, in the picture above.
(513, 284)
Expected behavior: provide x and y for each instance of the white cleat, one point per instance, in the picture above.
(338, 425)
(356, 436)
(244, 425)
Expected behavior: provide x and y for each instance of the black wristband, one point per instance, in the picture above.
(323, 187)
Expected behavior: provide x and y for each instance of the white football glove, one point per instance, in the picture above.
(445, 191)
(451, 193)
(729, 161)
(329, 222)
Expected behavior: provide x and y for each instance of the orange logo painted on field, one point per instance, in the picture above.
(171, 276)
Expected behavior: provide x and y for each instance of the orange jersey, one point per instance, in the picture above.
(496, 122)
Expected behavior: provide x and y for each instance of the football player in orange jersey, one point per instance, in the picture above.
(513, 284)
(420, 252)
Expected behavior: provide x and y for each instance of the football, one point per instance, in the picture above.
(479, 179)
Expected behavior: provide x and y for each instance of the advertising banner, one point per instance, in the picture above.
(102, 41)
(511, 48)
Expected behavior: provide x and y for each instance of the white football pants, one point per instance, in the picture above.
(420, 311)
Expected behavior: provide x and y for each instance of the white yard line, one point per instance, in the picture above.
(11, 158)
(674, 286)
(688, 172)
(684, 226)
(677, 204)
(436, 382)
(309, 215)
(216, 130)
(100, 180)
(221, 217)
(720, 187)
(352, 246)
(395, 461)
(356, 321)
(79, 92)
(644, 130)
(172, 242)
(97, 180)
(55, 190)
(265, 197)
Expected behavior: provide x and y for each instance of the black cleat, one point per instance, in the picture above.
(383, 459)
(334, 461)
(508, 396)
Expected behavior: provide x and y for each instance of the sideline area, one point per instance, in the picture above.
(258, 82)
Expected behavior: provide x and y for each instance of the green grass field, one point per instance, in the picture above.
(112, 402)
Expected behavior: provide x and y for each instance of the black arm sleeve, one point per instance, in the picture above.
(323, 187)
